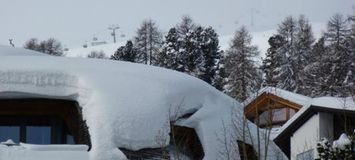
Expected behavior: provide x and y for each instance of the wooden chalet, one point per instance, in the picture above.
(270, 108)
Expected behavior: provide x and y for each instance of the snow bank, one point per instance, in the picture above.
(22, 153)
(57, 147)
(124, 104)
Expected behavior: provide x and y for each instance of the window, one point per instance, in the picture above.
(10, 132)
(34, 129)
(42, 121)
(38, 134)
(307, 155)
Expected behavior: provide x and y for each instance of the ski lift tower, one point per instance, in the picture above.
(113, 33)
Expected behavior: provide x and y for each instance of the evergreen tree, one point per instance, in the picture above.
(211, 54)
(170, 50)
(126, 53)
(148, 42)
(190, 53)
(243, 75)
(50, 46)
(32, 44)
(316, 70)
(302, 55)
(274, 61)
(219, 80)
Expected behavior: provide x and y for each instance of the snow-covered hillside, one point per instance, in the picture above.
(260, 39)
(124, 104)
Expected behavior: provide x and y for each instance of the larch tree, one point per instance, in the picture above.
(185, 26)
(243, 76)
(339, 59)
(301, 57)
(148, 42)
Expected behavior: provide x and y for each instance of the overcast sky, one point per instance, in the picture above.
(75, 21)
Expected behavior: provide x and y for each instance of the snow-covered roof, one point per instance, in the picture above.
(334, 103)
(287, 95)
(124, 104)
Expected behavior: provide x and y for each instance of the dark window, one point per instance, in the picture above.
(42, 121)
(34, 130)
(38, 134)
(10, 132)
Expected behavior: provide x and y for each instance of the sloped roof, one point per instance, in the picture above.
(287, 95)
(330, 103)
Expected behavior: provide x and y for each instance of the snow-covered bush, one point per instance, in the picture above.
(343, 148)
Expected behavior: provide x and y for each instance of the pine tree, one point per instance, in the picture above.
(274, 61)
(316, 70)
(190, 53)
(148, 42)
(243, 75)
(126, 53)
(170, 49)
(211, 54)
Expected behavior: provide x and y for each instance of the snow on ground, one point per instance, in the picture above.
(124, 104)
(43, 152)
(108, 49)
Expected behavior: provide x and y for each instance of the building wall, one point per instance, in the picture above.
(306, 137)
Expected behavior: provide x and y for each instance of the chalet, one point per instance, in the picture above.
(303, 121)
(77, 108)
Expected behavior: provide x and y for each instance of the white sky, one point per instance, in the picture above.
(75, 21)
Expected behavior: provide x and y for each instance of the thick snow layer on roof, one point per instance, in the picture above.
(124, 104)
(290, 96)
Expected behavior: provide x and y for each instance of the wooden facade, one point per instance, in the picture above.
(63, 117)
(274, 109)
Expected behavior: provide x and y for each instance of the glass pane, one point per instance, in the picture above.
(292, 112)
(10, 132)
(279, 114)
(38, 134)
(70, 139)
